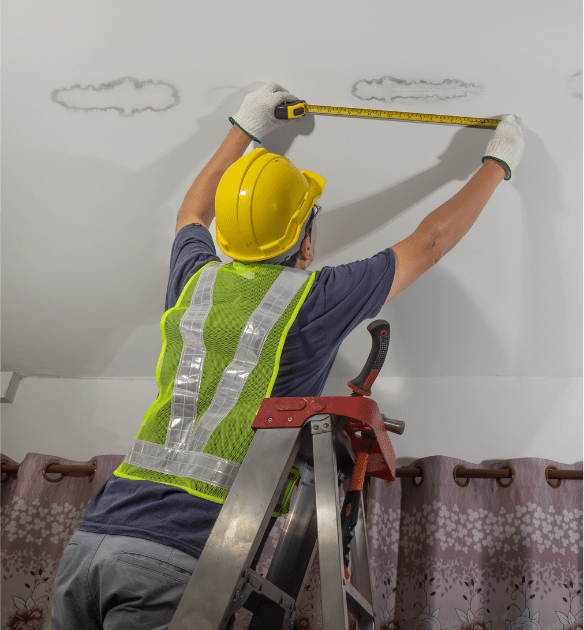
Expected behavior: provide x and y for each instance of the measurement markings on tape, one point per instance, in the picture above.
(300, 108)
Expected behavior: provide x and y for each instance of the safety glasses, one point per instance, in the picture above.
(314, 213)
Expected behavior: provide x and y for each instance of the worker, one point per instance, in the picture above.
(233, 334)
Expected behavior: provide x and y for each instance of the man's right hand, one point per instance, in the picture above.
(256, 115)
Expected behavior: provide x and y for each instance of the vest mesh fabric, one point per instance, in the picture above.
(239, 289)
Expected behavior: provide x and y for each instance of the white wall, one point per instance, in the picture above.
(490, 336)
(473, 418)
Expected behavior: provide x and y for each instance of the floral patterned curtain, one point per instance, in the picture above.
(443, 557)
(39, 516)
(478, 556)
(446, 557)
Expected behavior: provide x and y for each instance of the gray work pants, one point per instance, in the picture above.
(118, 583)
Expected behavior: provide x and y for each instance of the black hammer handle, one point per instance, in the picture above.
(349, 517)
(379, 330)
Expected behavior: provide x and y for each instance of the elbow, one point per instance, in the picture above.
(436, 254)
(435, 246)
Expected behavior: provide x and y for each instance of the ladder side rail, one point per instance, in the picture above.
(238, 531)
(360, 569)
(330, 549)
(294, 551)
(358, 589)
(360, 574)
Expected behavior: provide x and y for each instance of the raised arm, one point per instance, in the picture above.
(199, 203)
(254, 120)
(441, 230)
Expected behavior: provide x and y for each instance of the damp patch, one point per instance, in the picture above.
(127, 96)
(390, 89)
(575, 84)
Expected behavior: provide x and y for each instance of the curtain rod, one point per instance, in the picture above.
(459, 472)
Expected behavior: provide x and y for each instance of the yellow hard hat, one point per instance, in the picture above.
(261, 204)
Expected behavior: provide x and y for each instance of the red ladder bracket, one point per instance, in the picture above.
(362, 415)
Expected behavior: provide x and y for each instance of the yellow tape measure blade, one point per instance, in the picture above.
(489, 123)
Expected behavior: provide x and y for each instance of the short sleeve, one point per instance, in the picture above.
(340, 299)
(193, 248)
(351, 293)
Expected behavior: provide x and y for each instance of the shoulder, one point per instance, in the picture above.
(192, 248)
(343, 296)
(365, 277)
(192, 240)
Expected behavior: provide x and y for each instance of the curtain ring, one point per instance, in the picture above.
(547, 478)
(48, 478)
(8, 474)
(90, 478)
(459, 483)
(511, 479)
(423, 476)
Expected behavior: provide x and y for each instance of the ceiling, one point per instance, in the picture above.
(111, 109)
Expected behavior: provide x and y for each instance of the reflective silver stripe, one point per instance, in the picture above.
(159, 458)
(180, 455)
(188, 376)
(247, 354)
(168, 458)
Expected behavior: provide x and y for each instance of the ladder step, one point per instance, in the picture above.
(356, 603)
(253, 581)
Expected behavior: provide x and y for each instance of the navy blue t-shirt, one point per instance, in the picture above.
(340, 299)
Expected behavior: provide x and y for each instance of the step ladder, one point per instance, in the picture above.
(328, 439)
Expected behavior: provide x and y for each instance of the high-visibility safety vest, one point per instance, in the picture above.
(221, 350)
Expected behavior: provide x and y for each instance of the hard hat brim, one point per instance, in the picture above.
(316, 182)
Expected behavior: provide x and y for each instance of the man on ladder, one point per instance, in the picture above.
(260, 326)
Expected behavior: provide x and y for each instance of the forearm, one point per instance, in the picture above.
(446, 225)
(199, 203)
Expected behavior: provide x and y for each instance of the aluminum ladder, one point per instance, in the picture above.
(317, 436)
(328, 439)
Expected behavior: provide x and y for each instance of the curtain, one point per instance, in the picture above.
(39, 516)
(442, 556)
(446, 557)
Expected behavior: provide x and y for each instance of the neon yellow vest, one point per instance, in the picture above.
(221, 350)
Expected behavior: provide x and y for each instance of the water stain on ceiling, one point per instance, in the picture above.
(390, 89)
(127, 96)
(575, 84)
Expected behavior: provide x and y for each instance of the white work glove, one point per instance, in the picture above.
(508, 144)
(256, 115)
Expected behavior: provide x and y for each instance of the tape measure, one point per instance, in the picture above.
(295, 109)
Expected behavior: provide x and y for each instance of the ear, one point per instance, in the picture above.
(306, 246)
(305, 254)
